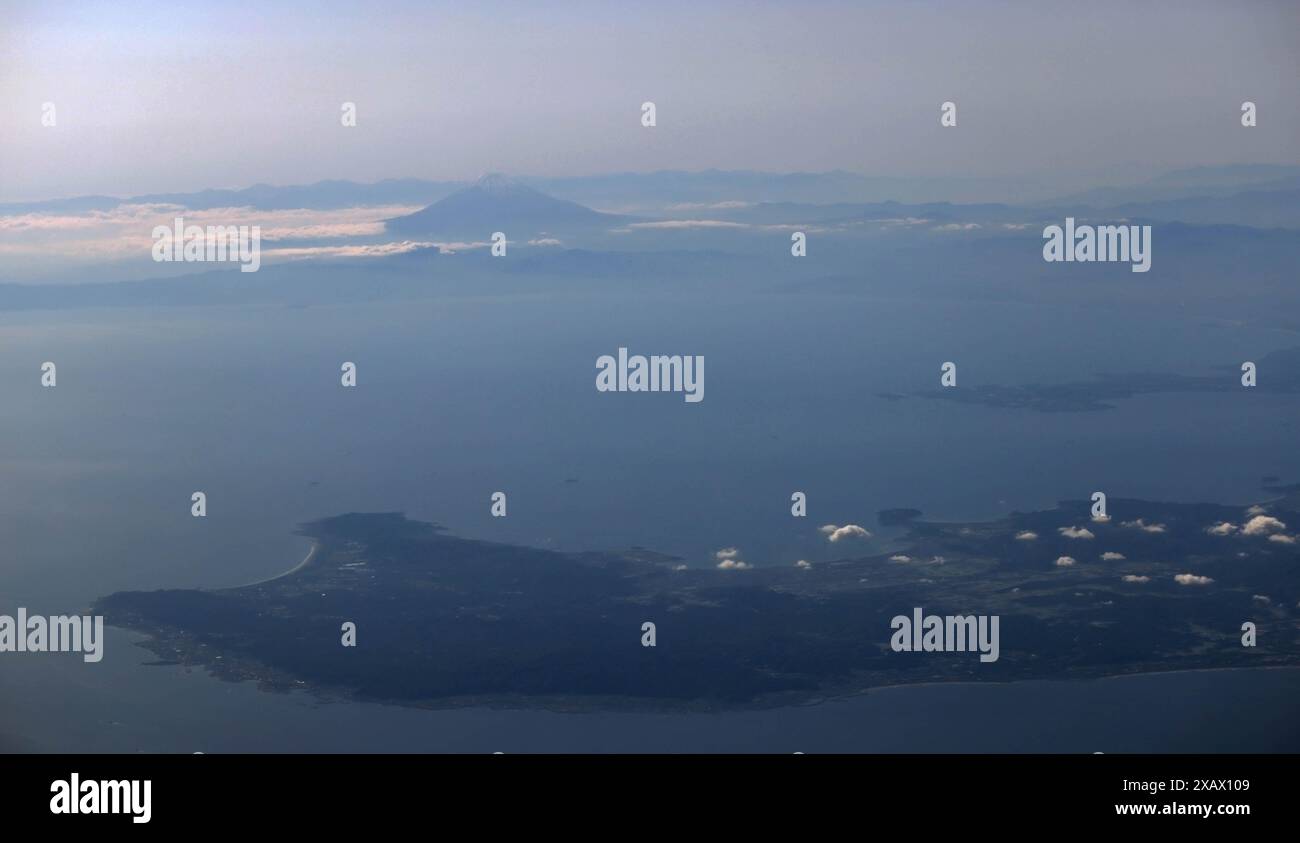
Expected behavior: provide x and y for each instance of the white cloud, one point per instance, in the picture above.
(729, 559)
(461, 246)
(803, 563)
(374, 250)
(1192, 579)
(1282, 538)
(1223, 528)
(1064, 561)
(1101, 519)
(1075, 532)
(1262, 525)
(127, 230)
(1026, 536)
(1112, 556)
(934, 560)
(1142, 525)
(1261, 598)
(1135, 578)
(848, 531)
(1256, 510)
(546, 241)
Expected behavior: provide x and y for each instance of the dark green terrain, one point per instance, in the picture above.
(443, 620)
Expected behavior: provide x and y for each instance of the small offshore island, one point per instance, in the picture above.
(446, 621)
(1105, 390)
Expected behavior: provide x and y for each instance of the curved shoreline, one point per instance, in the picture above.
(306, 560)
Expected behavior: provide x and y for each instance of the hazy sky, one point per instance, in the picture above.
(186, 95)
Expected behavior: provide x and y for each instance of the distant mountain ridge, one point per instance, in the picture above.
(1256, 195)
(1192, 183)
(660, 186)
(332, 193)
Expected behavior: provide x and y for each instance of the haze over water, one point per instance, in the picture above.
(919, 149)
(460, 397)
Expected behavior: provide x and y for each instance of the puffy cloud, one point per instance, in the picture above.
(803, 563)
(1064, 561)
(1256, 510)
(899, 557)
(729, 559)
(848, 531)
(1142, 525)
(1223, 528)
(1101, 519)
(1261, 598)
(1112, 556)
(1282, 538)
(1138, 578)
(1075, 532)
(1026, 536)
(1262, 525)
(1192, 579)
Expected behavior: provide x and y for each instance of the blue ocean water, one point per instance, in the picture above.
(460, 397)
